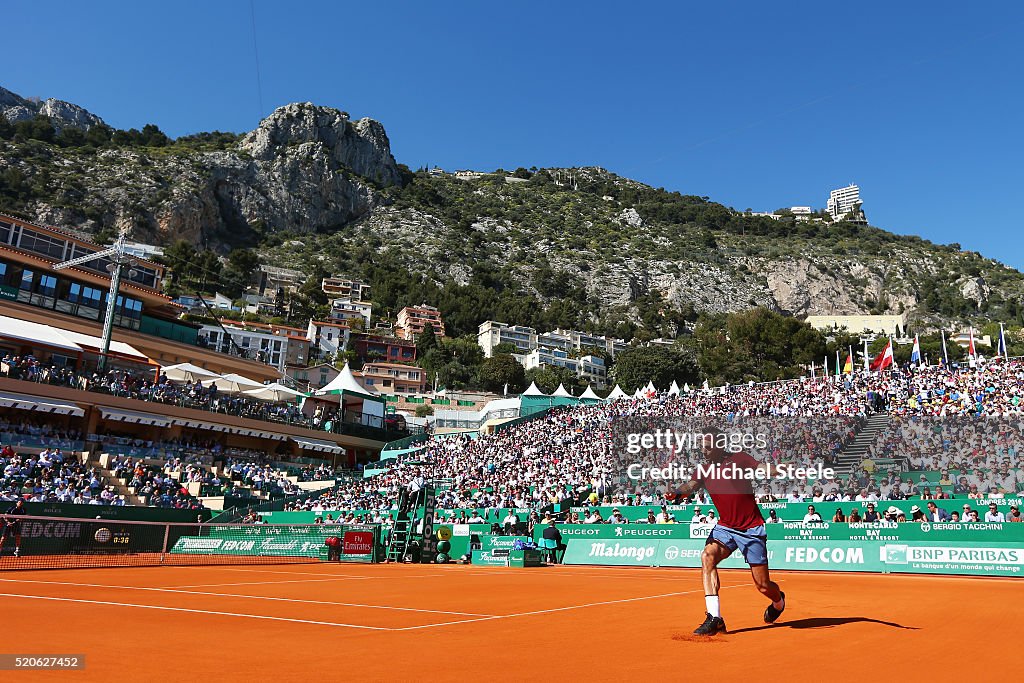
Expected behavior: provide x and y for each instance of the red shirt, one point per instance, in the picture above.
(732, 497)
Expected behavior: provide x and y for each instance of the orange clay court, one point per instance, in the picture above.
(428, 622)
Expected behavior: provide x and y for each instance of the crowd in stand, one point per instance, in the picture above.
(142, 386)
(153, 483)
(52, 477)
(576, 454)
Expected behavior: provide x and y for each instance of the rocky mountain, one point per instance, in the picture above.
(62, 114)
(310, 188)
(305, 168)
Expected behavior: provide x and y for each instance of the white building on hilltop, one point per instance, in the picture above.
(590, 369)
(844, 201)
(525, 339)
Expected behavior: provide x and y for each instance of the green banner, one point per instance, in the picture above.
(997, 532)
(796, 511)
(1004, 532)
(851, 556)
(279, 541)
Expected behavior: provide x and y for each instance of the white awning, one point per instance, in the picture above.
(43, 405)
(134, 417)
(96, 343)
(199, 424)
(23, 330)
(214, 427)
(317, 445)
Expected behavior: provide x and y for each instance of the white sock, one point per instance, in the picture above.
(780, 605)
(714, 608)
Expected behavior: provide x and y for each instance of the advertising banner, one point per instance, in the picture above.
(903, 550)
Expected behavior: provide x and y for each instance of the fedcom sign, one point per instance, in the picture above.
(824, 555)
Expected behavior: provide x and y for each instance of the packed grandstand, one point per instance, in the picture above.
(944, 432)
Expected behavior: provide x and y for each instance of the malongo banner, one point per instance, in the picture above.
(977, 549)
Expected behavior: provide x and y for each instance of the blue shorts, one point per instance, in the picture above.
(752, 542)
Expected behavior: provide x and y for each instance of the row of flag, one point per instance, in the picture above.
(885, 358)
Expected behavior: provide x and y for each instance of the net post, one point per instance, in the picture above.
(167, 533)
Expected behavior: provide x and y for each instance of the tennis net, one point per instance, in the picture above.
(31, 542)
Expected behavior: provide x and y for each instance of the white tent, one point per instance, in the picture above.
(345, 382)
(274, 392)
(674, 389)
(562, 391)
(650, 389)
(533, 390)
(617, 393)
(186, 372)
(589, 394)
(686, 388)
(235, 384)
(639, 393)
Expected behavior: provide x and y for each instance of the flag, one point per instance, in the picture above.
(1002, 343)
(915, 355)
(848, 368)
(838, 364)
(884, 359)
(867, 357)
(944, 361)
(970, 349)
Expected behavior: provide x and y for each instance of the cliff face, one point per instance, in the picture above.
(304, 169)
(62, 114)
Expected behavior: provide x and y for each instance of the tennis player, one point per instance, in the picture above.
(740, 526)
(13, 526)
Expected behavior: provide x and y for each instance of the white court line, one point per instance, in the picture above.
(265, 583)
(249, 597)
(555, 609)
(196, 611)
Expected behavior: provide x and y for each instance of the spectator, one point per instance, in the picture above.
(994, 515)
(812, 516)
(936, 514)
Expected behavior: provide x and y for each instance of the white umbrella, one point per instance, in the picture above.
(235, 384)
(186, 372)
(273, 392)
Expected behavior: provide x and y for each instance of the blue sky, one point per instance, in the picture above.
(754, 104)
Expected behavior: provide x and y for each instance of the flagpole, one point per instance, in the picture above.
(945, 355)
(1002, 342)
